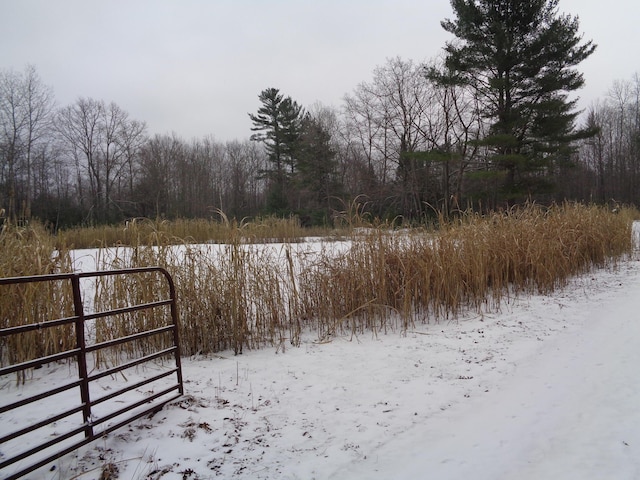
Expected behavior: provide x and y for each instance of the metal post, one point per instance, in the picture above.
(175, 320)
(82, 356)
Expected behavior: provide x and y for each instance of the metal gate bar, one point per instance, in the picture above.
(79, 352)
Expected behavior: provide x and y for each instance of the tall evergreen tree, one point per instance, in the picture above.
(519, 57)
(278, 124)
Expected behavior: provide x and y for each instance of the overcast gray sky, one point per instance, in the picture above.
(196, 67)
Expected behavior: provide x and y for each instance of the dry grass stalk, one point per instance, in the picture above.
(233, 295)
(31, 251)
(390, 280)
(139, 231)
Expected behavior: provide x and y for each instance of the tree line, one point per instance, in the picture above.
(489, 124)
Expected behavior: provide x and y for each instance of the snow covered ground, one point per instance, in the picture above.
(548, 387)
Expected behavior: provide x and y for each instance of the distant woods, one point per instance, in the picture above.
(475, 128)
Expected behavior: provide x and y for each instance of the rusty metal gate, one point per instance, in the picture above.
(28, 447)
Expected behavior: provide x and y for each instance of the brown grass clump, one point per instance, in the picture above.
(144, 231)
(230, 294)
(30, 251)
(235, 295)
(389, 281)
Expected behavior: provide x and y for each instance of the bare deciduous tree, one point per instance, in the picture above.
(26, 106)
(101, 140)
(613, 154)
(416, 134)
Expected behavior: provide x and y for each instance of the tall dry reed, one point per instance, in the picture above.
(235, 295)
(390, 280)
(31, 251)
(144, 231)
(231, 295)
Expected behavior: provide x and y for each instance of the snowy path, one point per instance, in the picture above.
(548, 387)
(570, 410)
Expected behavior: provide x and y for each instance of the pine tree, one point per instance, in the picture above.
(519, 58)
(279, 125)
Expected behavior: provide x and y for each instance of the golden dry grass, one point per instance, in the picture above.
(144, 231)
(31, 251)
(390, 281)
(234, 295)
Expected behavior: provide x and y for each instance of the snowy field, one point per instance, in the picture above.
(548, 387)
